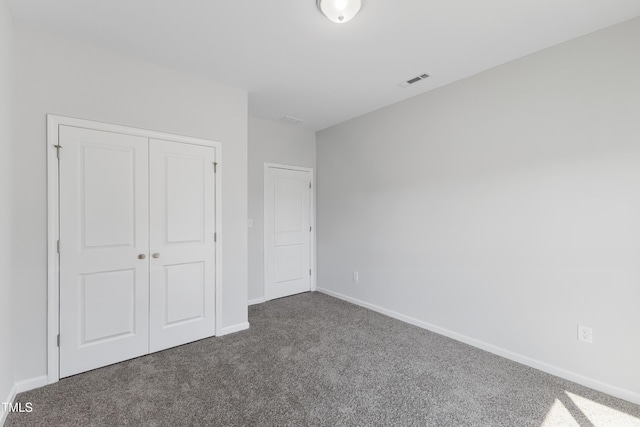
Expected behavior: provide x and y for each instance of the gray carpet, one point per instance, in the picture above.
(314, 360)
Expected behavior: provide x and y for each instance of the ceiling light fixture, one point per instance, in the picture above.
(339, 11)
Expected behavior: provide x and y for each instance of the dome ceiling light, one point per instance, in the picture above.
(339, 11)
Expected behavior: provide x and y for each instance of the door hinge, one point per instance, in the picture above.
(58, 147)
(215, 237)
(309, 229)
(309, 272)
(58, 246)
(215, 167)
(309, 185)
(58, 340)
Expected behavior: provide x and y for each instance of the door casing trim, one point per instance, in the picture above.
(53, 222)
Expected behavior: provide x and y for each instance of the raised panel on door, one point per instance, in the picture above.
(287, 232)
(103, 229)
(182, 224)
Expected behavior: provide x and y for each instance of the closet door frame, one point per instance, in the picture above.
(53, 221)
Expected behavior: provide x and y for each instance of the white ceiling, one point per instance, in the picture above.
(293, 61)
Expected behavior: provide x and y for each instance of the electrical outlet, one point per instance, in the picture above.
(355, 277)
(585, 334)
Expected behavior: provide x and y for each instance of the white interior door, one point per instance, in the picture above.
(182, 243)
(103, 236)
(287, 218)
(137, 246)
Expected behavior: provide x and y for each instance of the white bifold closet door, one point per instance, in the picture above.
(182, 243)
(137, 251)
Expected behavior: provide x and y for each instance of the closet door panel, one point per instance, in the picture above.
(103, 189)
(182, 263)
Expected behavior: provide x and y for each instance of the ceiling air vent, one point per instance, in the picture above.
(413, 80)
(290, 120)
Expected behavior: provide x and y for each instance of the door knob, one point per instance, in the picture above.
(142, 256)
(156, 255)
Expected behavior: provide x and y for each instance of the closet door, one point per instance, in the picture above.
(182, 246)
(104, 236)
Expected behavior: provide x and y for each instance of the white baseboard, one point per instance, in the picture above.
(234, 328)
(256, 301)
(31, 383)
(12, 395)
(19, 387)
(525, 360)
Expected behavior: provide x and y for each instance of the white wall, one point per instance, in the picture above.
(72, 79)
(6, 85)
(504, 208)
(270, 142)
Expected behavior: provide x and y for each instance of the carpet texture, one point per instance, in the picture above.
(311, 359)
